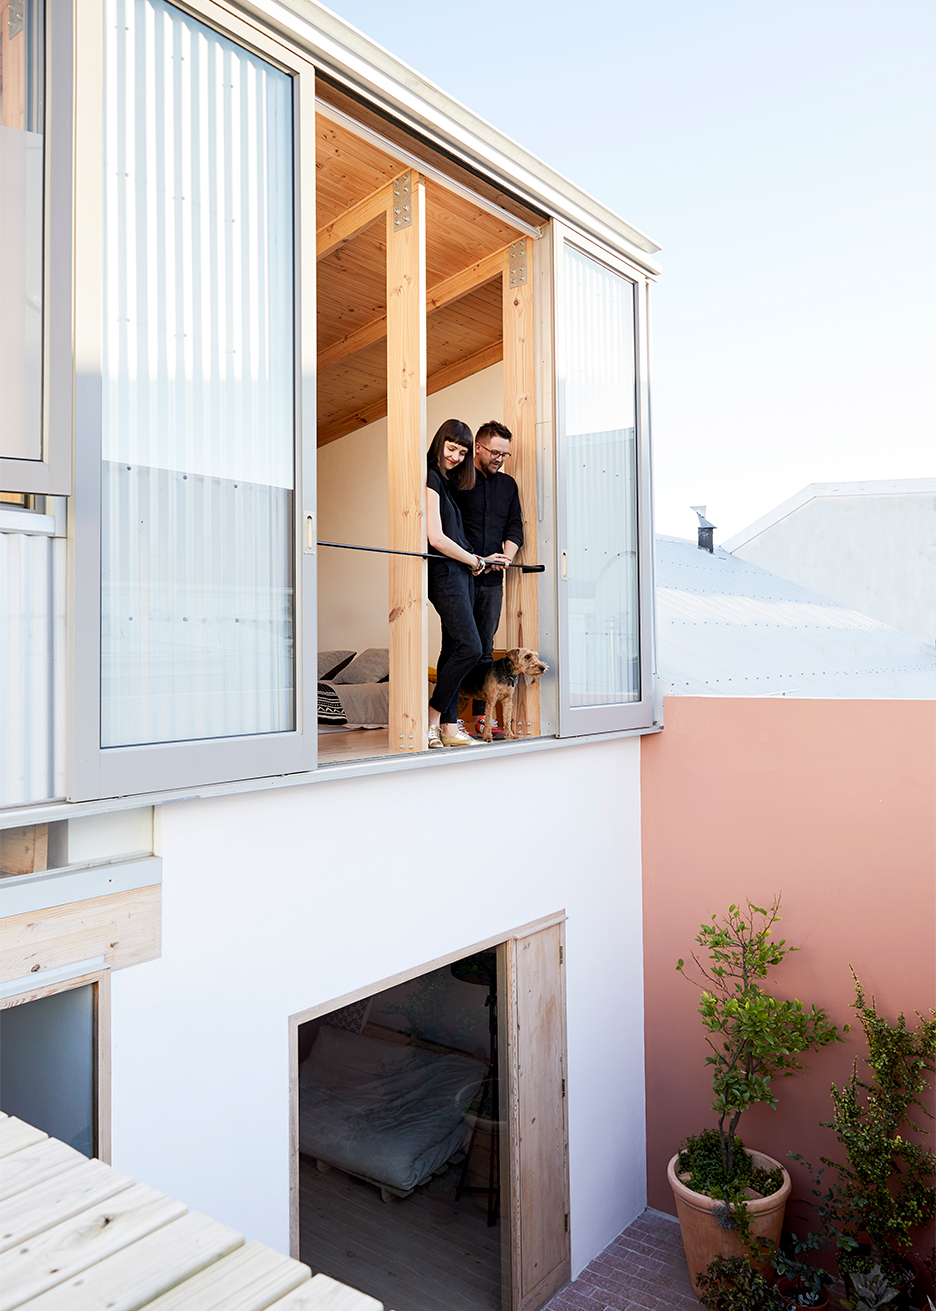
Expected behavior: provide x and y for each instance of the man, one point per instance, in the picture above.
(493, 522)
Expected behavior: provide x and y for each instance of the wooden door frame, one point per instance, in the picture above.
(512, 1223)
(101, 1059)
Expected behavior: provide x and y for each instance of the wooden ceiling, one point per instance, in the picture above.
(464, 325)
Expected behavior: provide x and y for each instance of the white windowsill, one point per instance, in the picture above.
(47, 811)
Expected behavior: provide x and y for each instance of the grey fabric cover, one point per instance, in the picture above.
(371, 666)
(391, 1113)
(363, 703)
(330, 662)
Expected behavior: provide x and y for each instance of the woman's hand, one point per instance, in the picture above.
(495, 561)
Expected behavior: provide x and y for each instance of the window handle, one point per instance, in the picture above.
(308, 547)
(564, 565)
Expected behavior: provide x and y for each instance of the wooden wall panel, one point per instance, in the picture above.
(406, 454)
(521, 599)
(124, 928)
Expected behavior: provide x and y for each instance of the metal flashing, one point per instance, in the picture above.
(351, 58)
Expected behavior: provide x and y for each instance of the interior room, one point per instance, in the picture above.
(401, 1140)
(362, 181)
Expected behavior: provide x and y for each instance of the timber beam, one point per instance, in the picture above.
(453, 288)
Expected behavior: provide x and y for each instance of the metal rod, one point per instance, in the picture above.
(426, 555)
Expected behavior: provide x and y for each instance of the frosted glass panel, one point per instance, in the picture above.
(22, 88)
(198, 422)
(599, 421)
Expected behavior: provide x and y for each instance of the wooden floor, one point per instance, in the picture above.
(359, 744)
(356, 744)
(425, 1252)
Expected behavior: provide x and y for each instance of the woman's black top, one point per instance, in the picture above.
(451, 515)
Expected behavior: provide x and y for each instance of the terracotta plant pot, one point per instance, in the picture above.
(702, 1235)
(784, 1286)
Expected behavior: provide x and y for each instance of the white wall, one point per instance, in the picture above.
(872, 551)
(352, 507)
(277, 901)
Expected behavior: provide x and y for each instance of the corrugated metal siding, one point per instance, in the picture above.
(728, 628)
(32, 668)
(198, 431)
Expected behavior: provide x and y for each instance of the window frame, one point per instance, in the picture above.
(578, 721)
(94, 771)
(99, 980)
(51, 474)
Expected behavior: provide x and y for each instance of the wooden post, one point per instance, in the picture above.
(520, 602)
(406, 455)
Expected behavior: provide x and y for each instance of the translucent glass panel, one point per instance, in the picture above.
(47, 1075)
(198, 401)
(599, 422)
(22, 60)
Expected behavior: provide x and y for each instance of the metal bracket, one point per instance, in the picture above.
(402, 202)
(518, 263)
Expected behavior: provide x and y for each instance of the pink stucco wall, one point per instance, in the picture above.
(832, 803)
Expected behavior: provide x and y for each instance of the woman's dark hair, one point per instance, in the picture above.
(453, 430)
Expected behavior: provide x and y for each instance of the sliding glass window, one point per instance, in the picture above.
(22, 137)
(198, 603)
(599, 411)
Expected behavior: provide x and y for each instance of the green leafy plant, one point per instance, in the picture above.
(700, 1167)
(884, 1187)
(790, 1262)
(754, 1037)
(730, 1283)
(869, 1291)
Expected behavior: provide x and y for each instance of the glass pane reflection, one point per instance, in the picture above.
(599, 408)
(22, 88)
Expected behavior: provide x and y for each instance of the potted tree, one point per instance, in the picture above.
(884, 1187)
(730, 1200)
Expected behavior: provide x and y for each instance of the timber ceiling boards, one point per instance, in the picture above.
(465, 252)
(436, 158)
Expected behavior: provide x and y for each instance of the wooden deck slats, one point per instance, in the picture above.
(56, 1254)
(36, 1164)
(57, 1199)
(16, 1134)
(76, 1235)
(250, 1279)
(324, 1294)
(138, 1274)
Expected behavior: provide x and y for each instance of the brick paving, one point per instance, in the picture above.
(644, 1269)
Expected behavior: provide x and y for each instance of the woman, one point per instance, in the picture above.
(450, 464)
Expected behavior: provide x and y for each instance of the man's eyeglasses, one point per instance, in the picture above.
(495, 455)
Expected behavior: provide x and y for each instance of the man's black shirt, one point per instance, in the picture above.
(491, 516)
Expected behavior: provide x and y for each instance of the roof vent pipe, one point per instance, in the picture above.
(705, 530)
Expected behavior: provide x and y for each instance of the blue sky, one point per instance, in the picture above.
(782, 154)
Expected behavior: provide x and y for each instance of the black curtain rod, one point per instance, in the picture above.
(426, 555)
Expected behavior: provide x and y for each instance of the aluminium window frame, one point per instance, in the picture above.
(51, 473)
(94, 771)
(577, 721)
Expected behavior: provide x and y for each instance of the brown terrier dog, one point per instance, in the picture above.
(496, 684)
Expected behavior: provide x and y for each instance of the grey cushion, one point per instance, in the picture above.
(371, 666)
(329, 662)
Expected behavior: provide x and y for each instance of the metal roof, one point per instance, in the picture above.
(879, 487)
(352, 57)
(728, 628)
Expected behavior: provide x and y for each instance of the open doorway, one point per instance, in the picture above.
(429, 1132)
(400, 1140)
(388, 374)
